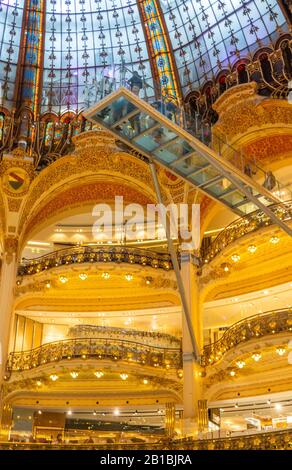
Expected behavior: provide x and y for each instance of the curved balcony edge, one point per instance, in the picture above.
(94, 348)
(272, 440)
(95, 254)
(244, 226)
(256, 326)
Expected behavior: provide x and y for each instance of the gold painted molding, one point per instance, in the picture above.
(242, 111)
(94, 160)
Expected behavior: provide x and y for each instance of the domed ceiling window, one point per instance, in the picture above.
(210, 35)
(76, 51)
(11, 14)
(90, 47)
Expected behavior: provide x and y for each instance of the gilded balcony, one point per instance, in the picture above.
(245, 226)
(251, 328)
(95, 254)
(276, 440)
(97, 349)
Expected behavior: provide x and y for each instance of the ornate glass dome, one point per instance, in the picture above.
(63, 55)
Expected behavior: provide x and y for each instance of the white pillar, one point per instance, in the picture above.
(192, 388)
(7, 284)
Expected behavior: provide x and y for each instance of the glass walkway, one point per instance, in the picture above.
(161, 133)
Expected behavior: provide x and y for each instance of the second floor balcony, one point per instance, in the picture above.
(255, 327)
(97, 349)
(95, 254)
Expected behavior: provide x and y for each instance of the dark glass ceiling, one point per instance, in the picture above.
(93, 45)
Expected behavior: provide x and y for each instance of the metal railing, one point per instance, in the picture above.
(95, 254)
(273, 440)
(243, 226)
(256, 326)
(95, 348)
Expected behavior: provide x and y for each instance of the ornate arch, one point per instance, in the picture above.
(96, 168)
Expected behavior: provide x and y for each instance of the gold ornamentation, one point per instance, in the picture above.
(100, 254)
(16, 181)
(94, 193)
(94, 348)
(14, 204)
(241, 110)
(272, 440)
(17, 173)
(92, 159)
(10, 247)
(250, 328)
(270, 148)
(243, 226)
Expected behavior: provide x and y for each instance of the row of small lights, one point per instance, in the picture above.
(116, 412)
(98, 375)
(117, 228)
(83, 277)
(251, 249)
(105, 275)
(256, 357)
(115, 358)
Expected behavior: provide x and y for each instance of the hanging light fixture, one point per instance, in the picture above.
(280, 351)
(74, 375)
(256, 356)
(274, 240)
(240, 364)
(124, 376)
(54, 377)
(98, 374)
(225, 267)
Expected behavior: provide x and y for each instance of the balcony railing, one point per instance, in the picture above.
(278, 440)
(152, 338)
(269, 323)
(243, 226)
(95, 348)
(95, 254)
(274, 440)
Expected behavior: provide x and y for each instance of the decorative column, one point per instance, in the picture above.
(16, 172)
(6, 421)
(192, 389)
(7, 283)
(29, 73)
(203, 420)
(169, 419)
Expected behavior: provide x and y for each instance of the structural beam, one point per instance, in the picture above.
(176, 267)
